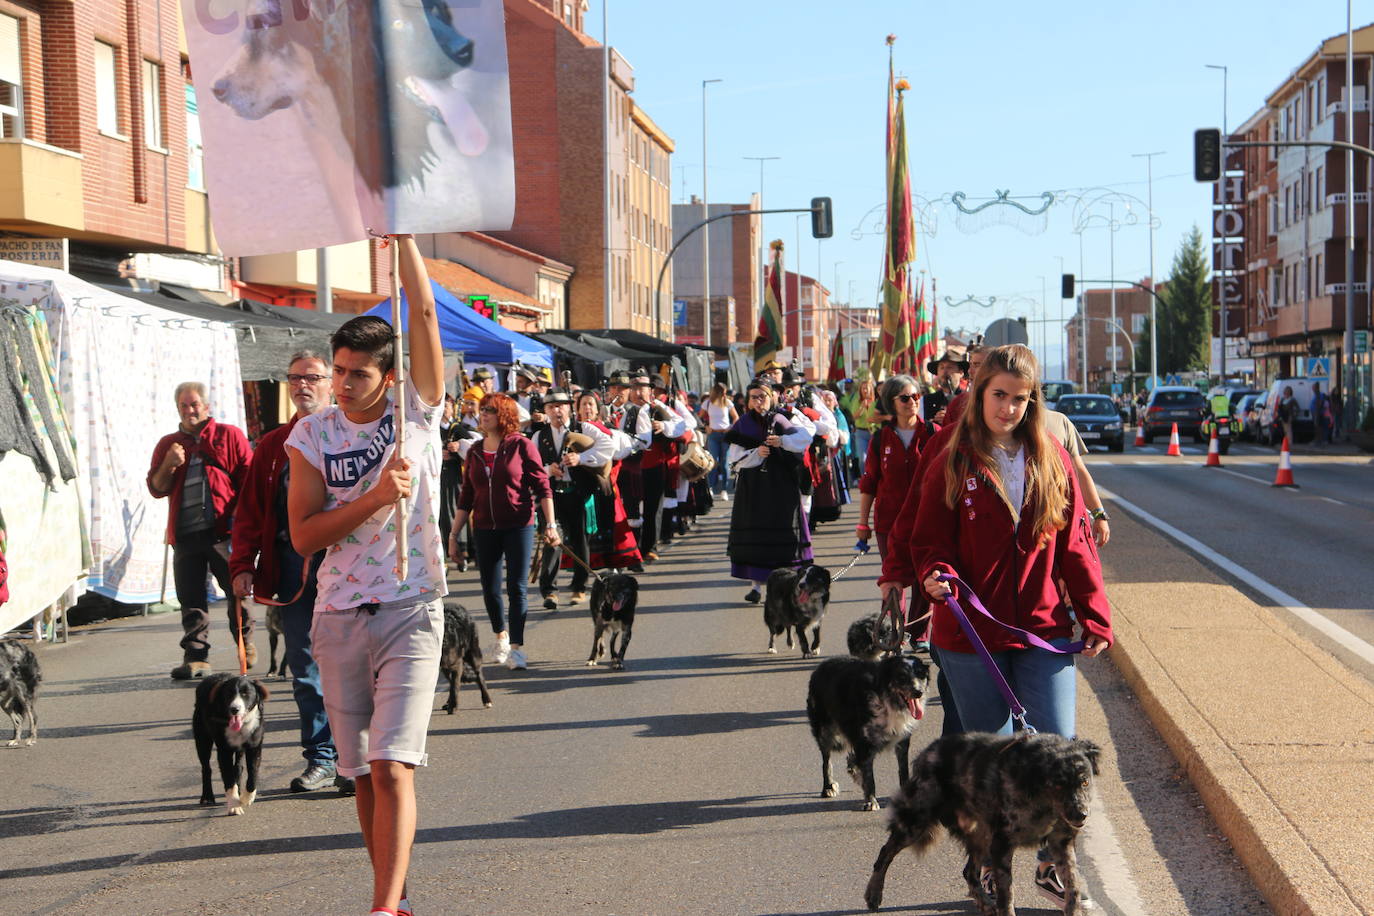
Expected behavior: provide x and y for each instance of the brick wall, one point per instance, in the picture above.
(133, 194)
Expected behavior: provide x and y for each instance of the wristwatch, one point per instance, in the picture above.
(1099, 515)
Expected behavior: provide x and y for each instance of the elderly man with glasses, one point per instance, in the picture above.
(265, 565)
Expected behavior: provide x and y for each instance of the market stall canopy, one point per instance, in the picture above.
(587, 364)
(479, 339)
(697, 362)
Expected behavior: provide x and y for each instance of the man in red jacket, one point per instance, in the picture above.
(201, 467)
(265, 565)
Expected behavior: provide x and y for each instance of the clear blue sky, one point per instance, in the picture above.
(1015, 96)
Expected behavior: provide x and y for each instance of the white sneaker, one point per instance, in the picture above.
(516, 661)
(725, 496)
(502, 650)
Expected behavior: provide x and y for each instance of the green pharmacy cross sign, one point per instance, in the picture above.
(483, 306)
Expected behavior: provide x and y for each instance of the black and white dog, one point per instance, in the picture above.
(614, 599)
(865, 707)
(868, 635)
(19, 679)
(461, 653)
(796, 598)
(995, 794)
(228, 718)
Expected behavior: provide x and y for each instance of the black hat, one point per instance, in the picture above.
(790, 377)
(659, 383)
(619, 377)
(557, 396)
(482, 374)
(949, 356)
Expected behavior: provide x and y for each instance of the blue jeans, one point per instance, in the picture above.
(718, 447)
(1043, 681)
(513, 548)
(861, 439)
(317, 744)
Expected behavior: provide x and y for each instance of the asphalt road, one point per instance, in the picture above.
(687, 784)
(1314, 542)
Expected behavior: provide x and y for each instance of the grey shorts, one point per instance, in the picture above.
(377, 673)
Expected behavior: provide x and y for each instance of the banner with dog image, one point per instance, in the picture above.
(325, 121)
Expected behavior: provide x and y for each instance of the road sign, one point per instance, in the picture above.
(1319, 368)
(1116, 387)
(1173, 379)
(1361, 341)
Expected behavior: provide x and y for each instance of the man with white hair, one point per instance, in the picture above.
(201, 468)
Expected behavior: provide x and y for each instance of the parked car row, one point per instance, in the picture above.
(1096, 418)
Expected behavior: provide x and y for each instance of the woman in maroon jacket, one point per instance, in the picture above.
(503, 481)
(892, 455)
(1000, 508)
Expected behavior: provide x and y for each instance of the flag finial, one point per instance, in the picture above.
(775, 245)
(891, 39)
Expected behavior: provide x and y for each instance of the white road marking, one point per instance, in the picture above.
(1099, 844)
(1285, 601)
(1336, 501)
(1241, 476)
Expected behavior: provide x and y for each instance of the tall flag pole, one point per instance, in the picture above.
(900, 249)
(769, 338)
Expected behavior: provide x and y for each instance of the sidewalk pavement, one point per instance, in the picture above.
(1276, 734)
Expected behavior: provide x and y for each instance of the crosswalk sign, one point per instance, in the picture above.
(1173, 379)
(1319, 368)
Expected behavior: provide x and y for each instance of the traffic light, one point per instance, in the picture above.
(1207, 154)
(483, 306)
(822, 218)
(1066, 286)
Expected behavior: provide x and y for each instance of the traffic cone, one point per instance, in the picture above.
(1284, 478)
(1140, 435)
(1213, 451)
(1173, 442)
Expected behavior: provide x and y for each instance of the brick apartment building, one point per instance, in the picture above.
(810, 324)
(735, 272)
(1104, 342)
(561, 127)
(1288, 281)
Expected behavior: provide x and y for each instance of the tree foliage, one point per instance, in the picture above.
(1185, 312)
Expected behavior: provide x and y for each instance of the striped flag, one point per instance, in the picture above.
(923, 330)
(838, 370)
(769, 338)
(896, 337)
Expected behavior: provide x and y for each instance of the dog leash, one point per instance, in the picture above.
(860, 548)
(578, 560)
(1018, 712)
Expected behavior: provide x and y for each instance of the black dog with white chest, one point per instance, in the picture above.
(19, 680)
(866, 707)
(613, 603)
(995, 794)
(796, 598)
(229, 720)
(461, 653)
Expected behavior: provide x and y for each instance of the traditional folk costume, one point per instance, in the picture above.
(768, 528)
(572, 489)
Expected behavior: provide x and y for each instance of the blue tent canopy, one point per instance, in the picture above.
(479, 339)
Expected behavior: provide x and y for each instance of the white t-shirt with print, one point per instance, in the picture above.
(361, 569)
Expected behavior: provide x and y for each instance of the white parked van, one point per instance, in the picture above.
(1270, 431)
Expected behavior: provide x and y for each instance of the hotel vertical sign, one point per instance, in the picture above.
(1228, 248)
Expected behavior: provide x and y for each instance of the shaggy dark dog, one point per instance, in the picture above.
(614, 599)
(461, 654)
(229, 719)
(796, 598)
(19, 679)
(861, 637)
(995, 794)
(867, 707)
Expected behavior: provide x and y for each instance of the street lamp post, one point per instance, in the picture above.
(763, 236)
(705, 230)
(1154, 281)
(1225, 132)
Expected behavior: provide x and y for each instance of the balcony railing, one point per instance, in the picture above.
(1338, 197)
(1338, 289)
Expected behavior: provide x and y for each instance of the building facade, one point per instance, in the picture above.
(1288, 291)
(735, 269)
(576, 136)
(1108, 345)
(810, 324)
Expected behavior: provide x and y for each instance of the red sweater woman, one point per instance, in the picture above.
(503, 483)
(892, 456)
(1000, 508)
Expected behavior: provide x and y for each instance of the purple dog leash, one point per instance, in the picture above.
(1018, 712)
